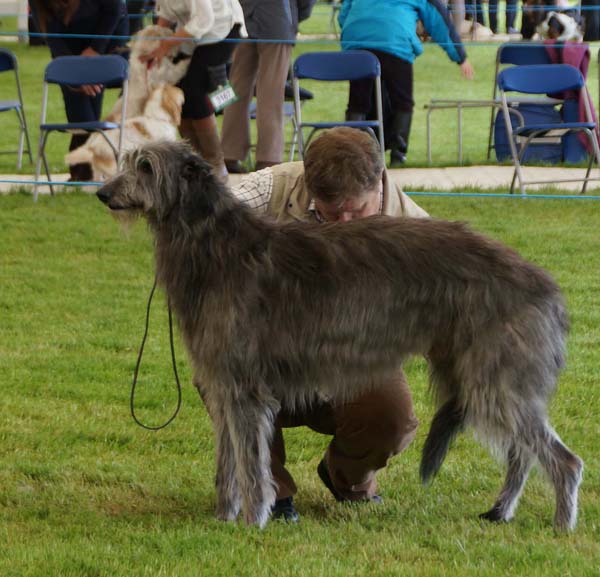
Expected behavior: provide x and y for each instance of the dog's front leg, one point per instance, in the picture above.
(250, 418)
(228, 494)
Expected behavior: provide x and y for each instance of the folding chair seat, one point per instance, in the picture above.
(335, 67)
(8, 62)
(544, 79)
(110, 71)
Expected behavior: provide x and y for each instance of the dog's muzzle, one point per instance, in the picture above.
(105, 195)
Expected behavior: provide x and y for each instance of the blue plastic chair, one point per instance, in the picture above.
(75, 71)
(335, 67)
(545, 79)
(8, 62)
(518, 54)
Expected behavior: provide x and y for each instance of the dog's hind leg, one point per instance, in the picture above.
(250, 419)
(519, 462)
(565, 470)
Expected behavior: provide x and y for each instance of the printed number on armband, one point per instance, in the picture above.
(222, 97)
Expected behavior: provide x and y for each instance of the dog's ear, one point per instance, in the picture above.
(194, 168)
(198, 186)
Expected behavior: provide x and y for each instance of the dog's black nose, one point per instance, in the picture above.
(103, 195)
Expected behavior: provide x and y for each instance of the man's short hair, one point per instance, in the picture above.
(342, 163)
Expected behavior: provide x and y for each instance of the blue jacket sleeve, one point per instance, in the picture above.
(437, 22)
(344, 9)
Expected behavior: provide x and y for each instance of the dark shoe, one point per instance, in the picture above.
(235, 167)
(324, 476)
(397, 159)
(284, 509)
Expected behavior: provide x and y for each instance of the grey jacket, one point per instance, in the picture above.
(275, 19)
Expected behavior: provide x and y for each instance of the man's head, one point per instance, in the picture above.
(343, 170)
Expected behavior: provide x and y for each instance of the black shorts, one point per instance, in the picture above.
(195, 84)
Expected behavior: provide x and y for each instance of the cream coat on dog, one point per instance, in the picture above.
(160, 119)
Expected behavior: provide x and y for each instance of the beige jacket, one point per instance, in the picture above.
(290, 199)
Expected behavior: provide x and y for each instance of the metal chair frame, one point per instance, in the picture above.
(75, 71)
(545, 79)
(336, 67)
(8, 62)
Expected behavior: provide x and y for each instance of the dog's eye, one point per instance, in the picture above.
(145, 166)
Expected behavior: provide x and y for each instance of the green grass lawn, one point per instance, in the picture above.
(84, 491)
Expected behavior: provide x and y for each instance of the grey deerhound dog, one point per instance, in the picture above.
(273, 315)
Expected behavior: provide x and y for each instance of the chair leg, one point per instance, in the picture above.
(38, 165)
(41, 157)
(518, 173)
(20, 151)
(21, 141)
(592, 140)
(23, 122)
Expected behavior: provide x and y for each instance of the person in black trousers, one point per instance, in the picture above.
(82, 19)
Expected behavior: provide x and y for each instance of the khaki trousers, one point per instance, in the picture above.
(366, 433)
(264, 66)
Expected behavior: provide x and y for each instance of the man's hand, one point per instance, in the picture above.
(89, 89)
(467, 70)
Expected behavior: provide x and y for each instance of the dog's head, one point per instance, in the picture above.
(147, 40)
(165, 103)
(560, 27)
(160, 181)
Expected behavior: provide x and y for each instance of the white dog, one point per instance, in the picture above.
(560, 27)
(160, 119)
(143, 79)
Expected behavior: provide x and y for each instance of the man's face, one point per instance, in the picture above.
(367, 204)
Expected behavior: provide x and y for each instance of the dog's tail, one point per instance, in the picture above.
(79, 155)
(447, 423)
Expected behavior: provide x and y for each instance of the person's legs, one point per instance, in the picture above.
(366, 433)
(369, 431)
(198, 122)
(273, 67)
(493, 14)
(235, 131)
(511, 15)
(397, 75)
(81, 108)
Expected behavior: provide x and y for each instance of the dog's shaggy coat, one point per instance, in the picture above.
(274, 314)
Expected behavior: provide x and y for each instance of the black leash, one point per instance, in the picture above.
(139, 361)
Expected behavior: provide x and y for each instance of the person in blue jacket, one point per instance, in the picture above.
(82, 28)
(388, 29)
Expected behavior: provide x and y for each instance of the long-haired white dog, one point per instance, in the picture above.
(159, 121)
(144, 79)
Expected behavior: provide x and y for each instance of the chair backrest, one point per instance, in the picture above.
(8, 61)
(540, 79)
(521, 53)
(335, 66)
(80, 70)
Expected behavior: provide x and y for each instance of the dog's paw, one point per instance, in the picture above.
(494, 515)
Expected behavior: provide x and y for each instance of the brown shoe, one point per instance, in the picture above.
(324, 476)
